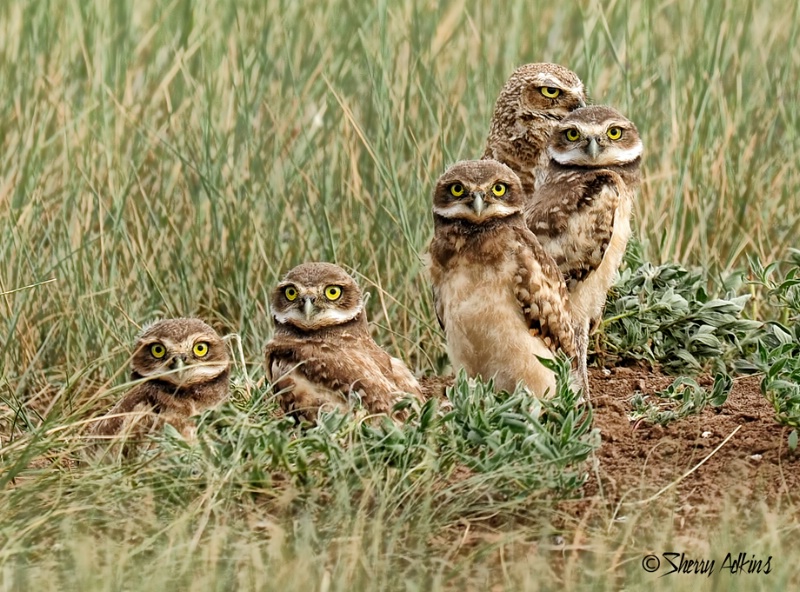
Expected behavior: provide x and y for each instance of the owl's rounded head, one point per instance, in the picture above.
(540, 91)
(314, 296)
(596, 136)
(478, 191)
(182, 352)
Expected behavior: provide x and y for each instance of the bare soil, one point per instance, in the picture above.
(636, 460)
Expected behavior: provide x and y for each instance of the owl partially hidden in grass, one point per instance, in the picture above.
(322, 356)
(499, 297)
(182, 368)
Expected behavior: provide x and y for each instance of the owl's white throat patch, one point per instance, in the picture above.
(462, 211)
(321, 318)
(609, 156)
(196, 373)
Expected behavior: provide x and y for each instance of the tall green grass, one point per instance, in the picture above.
(165, 158)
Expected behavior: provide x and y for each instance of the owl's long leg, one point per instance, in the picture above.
(582, 347)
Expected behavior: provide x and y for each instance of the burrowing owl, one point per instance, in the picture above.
(184, 366)
(322, 355)
(499, 296)
(532, 102)
(582, 212)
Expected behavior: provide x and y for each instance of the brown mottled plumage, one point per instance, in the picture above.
(499, 296)
(322, 355)
(532, 102)
(582, 212)
(185, 368)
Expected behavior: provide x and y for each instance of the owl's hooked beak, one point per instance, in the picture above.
(179, 364)
(593, 148)
(581, 103)
(477, 202)
(308, 308)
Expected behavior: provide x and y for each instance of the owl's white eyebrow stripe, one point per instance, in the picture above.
(165, 341)
(548, 81)
(172, 346)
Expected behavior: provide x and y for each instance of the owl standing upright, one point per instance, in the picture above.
(532, 102)
(499, 297)
(321, 355)
(581, 214)
(183, 368)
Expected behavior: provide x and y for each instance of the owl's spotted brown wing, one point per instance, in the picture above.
(316, 374)
(572, 215)
(142, 412)
(541, 292)
(404, 379)
(298, 394)
(438, 307)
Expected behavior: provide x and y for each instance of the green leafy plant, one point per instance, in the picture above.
(777, 353)
(510, 444)
(682, 398)
(665, 315)
(539, 443)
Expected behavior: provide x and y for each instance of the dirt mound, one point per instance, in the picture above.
(637, 460)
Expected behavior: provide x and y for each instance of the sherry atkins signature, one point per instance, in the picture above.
(680, 563)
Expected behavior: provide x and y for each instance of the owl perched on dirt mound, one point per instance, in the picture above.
(182, 368)
(499, 297)
(532, 102)
(582, 212)
(322, 355)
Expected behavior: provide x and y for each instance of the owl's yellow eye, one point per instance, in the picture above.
(614, 133)
(457, 189)
(158, 351)
(333, 292)
(573, 135)
(550, 92)
(499, 189)
(290, 292)
(200, 349)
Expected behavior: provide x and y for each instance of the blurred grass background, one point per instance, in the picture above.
(174, 158)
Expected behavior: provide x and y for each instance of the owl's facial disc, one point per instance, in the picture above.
(595, 136)
(477, 205)
(182, 363)
(315, 307)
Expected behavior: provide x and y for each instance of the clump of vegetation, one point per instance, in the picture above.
(777, 352)
(682, 398)
(508, 445)
(537, 443)
(665, 315)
